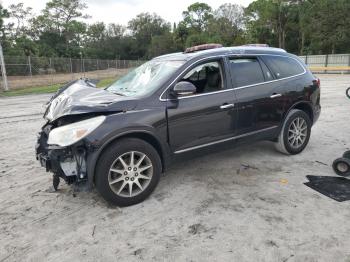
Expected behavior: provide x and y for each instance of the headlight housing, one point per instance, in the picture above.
(72, 133)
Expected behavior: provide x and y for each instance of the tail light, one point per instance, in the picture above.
(317, 82)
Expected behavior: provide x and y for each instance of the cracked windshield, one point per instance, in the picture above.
(145, 79)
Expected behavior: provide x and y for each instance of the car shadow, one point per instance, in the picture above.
(337, 188)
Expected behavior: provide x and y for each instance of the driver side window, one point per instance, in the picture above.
(206, 77)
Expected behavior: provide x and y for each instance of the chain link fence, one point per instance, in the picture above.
(337, 63)
(40, 71)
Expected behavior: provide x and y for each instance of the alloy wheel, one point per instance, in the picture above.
(297, 132)
(130, 174)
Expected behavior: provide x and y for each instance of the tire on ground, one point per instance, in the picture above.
(282, 144)
(107, 158)
(341, 166)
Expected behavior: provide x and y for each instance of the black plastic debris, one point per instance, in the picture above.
(337, 188)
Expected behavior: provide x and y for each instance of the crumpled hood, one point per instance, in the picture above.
(82, 97)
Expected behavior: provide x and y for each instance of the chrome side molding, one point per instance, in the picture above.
(223, 140)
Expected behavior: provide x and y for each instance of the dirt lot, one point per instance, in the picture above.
(212, 208)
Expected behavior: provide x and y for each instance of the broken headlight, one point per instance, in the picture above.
(72, 133)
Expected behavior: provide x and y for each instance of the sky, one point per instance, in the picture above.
(122, 11)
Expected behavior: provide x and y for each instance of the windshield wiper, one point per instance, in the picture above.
(119, 94)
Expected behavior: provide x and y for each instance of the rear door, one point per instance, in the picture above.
(260, 99)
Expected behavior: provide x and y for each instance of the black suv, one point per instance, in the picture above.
(122, 138)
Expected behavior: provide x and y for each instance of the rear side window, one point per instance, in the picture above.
(246, 71)
(283, 66)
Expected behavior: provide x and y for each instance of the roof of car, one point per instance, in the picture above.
(222, 51)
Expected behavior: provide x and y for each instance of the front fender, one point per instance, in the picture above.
(119, 125)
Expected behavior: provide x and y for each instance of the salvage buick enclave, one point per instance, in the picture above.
(120, 139)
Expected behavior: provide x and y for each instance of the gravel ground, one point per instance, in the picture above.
(242, 204)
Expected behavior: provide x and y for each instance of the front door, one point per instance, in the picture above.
(206, 117)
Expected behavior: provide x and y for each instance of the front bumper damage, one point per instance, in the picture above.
(68, 163)
(76, 101)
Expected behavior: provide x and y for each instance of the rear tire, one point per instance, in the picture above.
(295, 133)
(128, 171)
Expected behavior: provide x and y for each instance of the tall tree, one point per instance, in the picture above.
(304, 10)
(3, 14)
(18, 37)
(300, 26)
(146, 26)
(270, 16)
(116, 30)
(197, 16)
(330, 23)
(180, 35)
(60, 23)
(58, 14)
(161, 44)
(233, 13)
(21, 16)
(226, 26)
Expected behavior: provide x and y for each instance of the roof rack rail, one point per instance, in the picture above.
(202, 47)
(257, 45)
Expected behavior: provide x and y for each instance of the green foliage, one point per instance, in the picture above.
(268, 19)
(181, 32)
(62, 30)
(144, 28)
(161, 44)
(331, 33)
(3, 14)
(196, 39)
(226, 26)
(197, 16)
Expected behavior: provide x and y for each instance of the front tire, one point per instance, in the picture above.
(295, 133)
(128, 171)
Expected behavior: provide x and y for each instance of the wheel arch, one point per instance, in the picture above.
(140, 134)
(303, 106)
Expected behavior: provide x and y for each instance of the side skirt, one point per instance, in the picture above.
(225, 140)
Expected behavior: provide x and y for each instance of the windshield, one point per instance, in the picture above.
(145, 79)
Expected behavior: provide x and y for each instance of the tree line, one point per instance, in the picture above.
(62, 29)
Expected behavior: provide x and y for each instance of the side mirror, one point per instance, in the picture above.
(184, 88)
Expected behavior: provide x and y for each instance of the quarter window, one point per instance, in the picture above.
(246, 71)
(283, 66)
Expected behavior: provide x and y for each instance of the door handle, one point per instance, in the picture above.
(275, 95)
(225, 106)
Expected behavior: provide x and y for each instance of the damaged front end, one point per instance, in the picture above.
(66, 161)
(72, 114)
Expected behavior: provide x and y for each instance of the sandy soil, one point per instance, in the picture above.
(212, 208)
